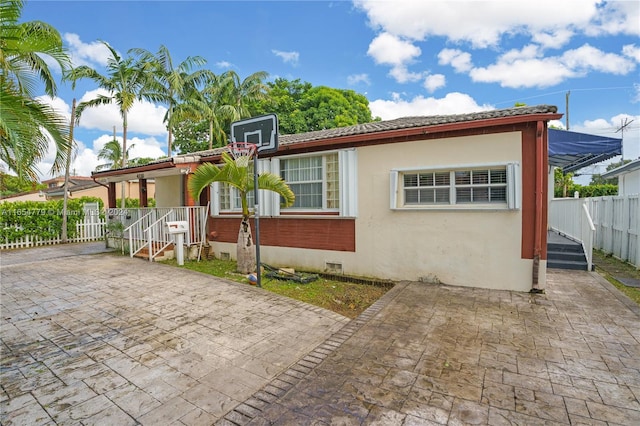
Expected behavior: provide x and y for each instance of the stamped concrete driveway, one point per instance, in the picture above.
(107, 340)
(104, 339)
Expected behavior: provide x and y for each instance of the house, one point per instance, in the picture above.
(85, 186)
(628, 177)
(458, 199)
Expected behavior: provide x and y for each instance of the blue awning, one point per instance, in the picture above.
(572, 151)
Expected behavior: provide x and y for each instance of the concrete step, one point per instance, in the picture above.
(566, 255)
(567, 264)
(564, 247)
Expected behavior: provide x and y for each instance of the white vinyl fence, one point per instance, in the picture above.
(91, 229)
(616, 221)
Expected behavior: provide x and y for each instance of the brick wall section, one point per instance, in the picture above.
(319, 234)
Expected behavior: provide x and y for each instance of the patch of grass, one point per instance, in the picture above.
(610, 268)
(345, 298)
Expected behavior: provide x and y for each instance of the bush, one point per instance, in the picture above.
(587, 191)
(41, 219)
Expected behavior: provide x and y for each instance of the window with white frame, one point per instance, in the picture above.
(482, 186)
(229, 198)
(325, 182)
(315, 181)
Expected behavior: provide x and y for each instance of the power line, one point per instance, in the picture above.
(588, 89)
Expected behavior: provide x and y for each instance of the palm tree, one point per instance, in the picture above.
(111, 152)
(27, 124)
(172, 83)
(238, 173)
(125, 83)
(225, 99)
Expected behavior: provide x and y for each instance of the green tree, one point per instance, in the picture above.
(304, 108)
(597, 179)
(225, 99)
(111, 152)
(27, 125)
(125, 82)
(562, 182)
(171, 83)
(10, 185)
(238, 173)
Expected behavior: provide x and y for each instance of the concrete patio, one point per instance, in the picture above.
(103, 339)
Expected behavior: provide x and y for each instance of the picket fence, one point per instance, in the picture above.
(85, 232)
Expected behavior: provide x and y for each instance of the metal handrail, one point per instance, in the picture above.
(161, 230)
(588, 233)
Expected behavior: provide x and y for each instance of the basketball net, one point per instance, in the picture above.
(242, 152)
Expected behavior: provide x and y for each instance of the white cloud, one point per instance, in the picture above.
(480, 23)
(588, 58)
(459, 60)
(287, 57)
(224, 64)
(523, 73)
(434, 82)
(402, 75)
(527, 68)
(144, 117)
(553, 39)
(631, 51)
(610, 127)
(617, 17)
(452, 103)
(354, 79)
(391, 50)
(90, 54)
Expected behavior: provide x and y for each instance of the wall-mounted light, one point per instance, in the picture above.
(185, 171)
(140, 175)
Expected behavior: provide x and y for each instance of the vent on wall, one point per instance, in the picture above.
(224, 256)
(333, 267)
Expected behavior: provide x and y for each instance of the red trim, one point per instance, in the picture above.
(139, 169)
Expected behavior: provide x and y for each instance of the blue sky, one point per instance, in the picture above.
(408, 57)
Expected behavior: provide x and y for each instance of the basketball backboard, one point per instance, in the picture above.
(261, 130)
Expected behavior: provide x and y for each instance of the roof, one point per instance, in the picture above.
(572, 151)
(625, 168)
(398, 124)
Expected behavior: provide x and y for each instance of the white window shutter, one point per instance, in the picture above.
(275, 198)
(393, 190)
(265, 198)
(513, 186)
(215, 198)
(348, 163)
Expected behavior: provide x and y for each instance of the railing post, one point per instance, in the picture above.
(149, 241)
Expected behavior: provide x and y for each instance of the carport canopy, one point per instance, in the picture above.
(572, 151)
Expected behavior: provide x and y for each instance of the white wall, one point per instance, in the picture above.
(169, 191)
(629, 183)
(457, 247)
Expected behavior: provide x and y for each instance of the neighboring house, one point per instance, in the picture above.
(628, 177)
(84, 186)
(458, 199)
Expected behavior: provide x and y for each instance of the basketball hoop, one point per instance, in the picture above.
(242, 151)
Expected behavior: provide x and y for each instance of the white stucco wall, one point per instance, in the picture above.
(169, 191)
(629, 183)
(457, 247)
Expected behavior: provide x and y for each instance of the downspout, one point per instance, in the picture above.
(537, 245)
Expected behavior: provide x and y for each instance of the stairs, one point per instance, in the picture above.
(144, 252)
(563, 253)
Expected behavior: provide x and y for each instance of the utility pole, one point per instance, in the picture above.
(566, 117)
(623, 125)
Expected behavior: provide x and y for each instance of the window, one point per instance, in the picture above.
(488, 186)
(314, 180)
(326, 182)
(229, 198)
